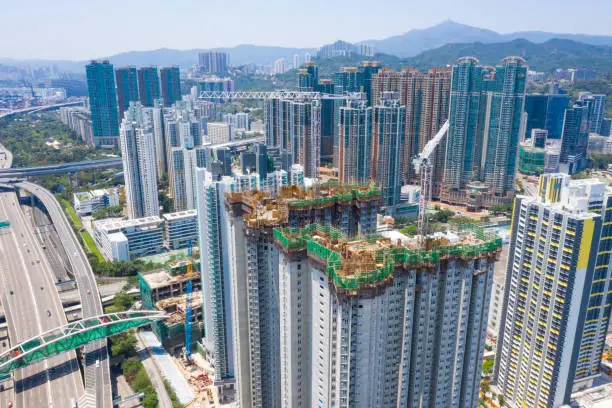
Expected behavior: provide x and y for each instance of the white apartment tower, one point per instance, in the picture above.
(374, 324)
(139, 162)
(558, 294)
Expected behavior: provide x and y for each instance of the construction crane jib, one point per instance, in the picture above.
(291, 95)
(424, 168)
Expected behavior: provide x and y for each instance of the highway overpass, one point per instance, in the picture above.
(22, 172)
(33, 109)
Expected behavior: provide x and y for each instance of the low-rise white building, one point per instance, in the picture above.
(88, 202)
(181, 228)
(219, 133)
(121, 240)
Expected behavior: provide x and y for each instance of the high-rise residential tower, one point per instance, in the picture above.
(139, 162)
(557, 300)
(170, 85)
(294, 126)
(388, 127)
(103, 103)
(355, 143)
(214, 62)
(127, 88)
(504, 108)
(249, 223)
(425, 96)
(486, 119)
(382, 324)
(148, 85)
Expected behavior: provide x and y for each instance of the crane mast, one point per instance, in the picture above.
(188, 308)
(423, 166)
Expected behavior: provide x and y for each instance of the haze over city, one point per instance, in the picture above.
(80, 30)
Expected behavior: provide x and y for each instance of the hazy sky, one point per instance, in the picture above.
(83, 29)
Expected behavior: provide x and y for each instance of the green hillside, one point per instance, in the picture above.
(541, 57)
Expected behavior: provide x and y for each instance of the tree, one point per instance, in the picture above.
(130, 368)
(150, 398)
(123, 345)
(410, 230)
(501, 399)
(122, 302)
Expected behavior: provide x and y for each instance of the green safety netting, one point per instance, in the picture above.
(387, 258)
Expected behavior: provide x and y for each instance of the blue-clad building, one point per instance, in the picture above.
(148, 86)
(170, 85)
(103, 103)
(127, 88)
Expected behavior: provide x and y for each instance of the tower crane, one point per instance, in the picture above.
(188, 309)
(424, 168)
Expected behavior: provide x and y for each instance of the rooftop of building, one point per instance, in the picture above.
(163, 278)
(577, 197)
(180, 215)
(118, 223)
(353, 264)
(273, 211)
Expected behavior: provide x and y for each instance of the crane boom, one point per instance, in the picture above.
(293, 95)
(424, 168)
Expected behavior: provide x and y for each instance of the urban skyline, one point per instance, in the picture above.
(371, 236)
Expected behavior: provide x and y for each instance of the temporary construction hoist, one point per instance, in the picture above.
(188, 310)
(424, 168)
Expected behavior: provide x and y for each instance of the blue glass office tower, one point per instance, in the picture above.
(148, 85)
(127, 88)
(103, 103)
(170, 85)
(555, 112)
(575, 139)
(536, 106)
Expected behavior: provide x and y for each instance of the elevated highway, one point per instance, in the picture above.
(22, 172)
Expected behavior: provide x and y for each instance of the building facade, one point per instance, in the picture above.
(103, 104)
(127, 88)
(355, 143)
(388, 127)
(556, 304)
(122, 240)
(139, 162)
(181, 229)
(148, 85)
(170, 85)
(361, 327)
(486, 122)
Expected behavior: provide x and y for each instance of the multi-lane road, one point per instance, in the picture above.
(97, 375)
(32, 306)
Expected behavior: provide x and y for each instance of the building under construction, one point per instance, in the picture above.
(376, 323)
(253, 262)
(163, 290)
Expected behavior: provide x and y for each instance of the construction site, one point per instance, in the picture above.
(355, 264)
(352, 208)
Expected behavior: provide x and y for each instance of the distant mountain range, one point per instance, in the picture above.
(440, 44)
(414, 42)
